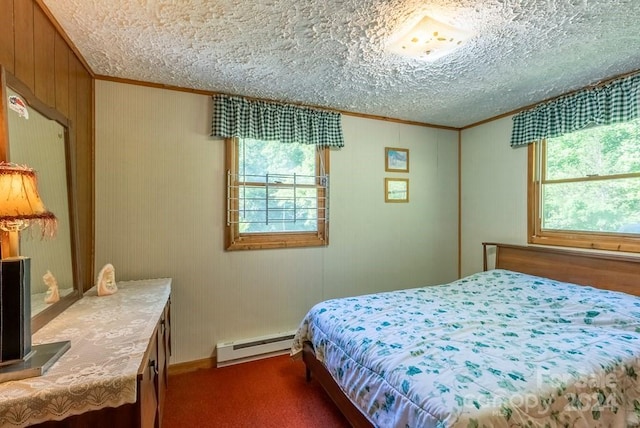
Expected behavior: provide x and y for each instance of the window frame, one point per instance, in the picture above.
(576, 239)
(234, 240)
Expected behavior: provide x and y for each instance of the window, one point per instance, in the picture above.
(277, 162)
(277, 194)
(585, 188)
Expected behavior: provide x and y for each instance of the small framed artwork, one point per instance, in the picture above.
(396, 190)
(396, 160)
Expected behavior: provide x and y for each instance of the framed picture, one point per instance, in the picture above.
(396, 160)
(396, 190)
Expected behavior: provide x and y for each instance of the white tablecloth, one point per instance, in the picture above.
(109, 336)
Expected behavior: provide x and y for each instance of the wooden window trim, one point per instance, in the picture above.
(234, 240)
(591, 240)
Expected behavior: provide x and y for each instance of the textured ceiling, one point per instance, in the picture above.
(332, 53)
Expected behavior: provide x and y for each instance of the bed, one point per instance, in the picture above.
(531, 342)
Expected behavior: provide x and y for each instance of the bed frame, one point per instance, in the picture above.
(608, 271)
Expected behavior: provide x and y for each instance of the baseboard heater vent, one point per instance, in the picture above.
(240, 351)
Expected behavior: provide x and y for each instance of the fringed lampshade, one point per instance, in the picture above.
(20, 203)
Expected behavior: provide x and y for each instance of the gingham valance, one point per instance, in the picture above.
(611, 103)
(239, 117)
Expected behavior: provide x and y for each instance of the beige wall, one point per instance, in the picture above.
(493, 191)
(160, 212)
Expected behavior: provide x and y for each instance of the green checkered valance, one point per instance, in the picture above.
(261, 120)
(611, 103)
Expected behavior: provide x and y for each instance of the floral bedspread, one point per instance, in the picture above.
(495, 349)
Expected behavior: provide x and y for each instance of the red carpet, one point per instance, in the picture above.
(267, 393)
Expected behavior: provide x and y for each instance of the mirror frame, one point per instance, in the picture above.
(8, 80)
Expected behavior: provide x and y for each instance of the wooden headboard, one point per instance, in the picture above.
(608, 271)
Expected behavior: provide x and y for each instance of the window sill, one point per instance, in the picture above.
(270, 241)
(592, 241)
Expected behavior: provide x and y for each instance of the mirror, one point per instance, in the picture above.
(40, 140)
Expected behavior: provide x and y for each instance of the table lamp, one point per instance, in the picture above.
(21, 206)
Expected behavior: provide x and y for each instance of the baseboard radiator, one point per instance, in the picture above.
(240, 351)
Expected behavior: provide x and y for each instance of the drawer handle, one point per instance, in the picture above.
(154, 365)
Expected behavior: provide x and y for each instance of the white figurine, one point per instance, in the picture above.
(106, 283)
(53, 295)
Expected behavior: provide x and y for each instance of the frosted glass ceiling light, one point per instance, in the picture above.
(428, 39)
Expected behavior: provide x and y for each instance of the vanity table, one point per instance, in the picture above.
(114, 374)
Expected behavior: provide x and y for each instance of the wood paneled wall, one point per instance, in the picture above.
(37, 54)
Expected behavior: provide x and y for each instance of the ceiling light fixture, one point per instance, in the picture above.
(429, 39)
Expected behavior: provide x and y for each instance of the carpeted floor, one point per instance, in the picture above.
(267, 393)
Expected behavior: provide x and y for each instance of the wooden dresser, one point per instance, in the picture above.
(115, 373)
